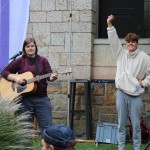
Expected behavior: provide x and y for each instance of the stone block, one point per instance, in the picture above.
(54, 59)
(56, 48)
(146, 97)
(144, 48)
(59, 115)
(35, 5)
(95, 6)
(81, 59)
(103, 56)
(82, 4)
(63, 59)
(98, 100)
(95, 112)
(53, 87)
(81, 72)
(57, 39)
(43, 50)
(61, 4)
(109, 118)
(99, 89)
(60, 27)
(104, 72)
(82, 27)
(59, 103)
(74, 18)
(103, 117)
(82, 42)
(59, 120)
(41, 33)
(147, 107)
(34, 17)
(48, 5)
(110, 97)
(107, 110)
(86, 16)
(54, 16)
(64, 87)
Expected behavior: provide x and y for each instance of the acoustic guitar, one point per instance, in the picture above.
(11, 90)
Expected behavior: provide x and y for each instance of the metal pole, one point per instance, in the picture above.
(69, 60)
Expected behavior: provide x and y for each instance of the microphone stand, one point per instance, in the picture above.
(69, 61)
(8, 65)
(12, 58)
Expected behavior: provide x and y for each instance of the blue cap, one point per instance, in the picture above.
(59, 135)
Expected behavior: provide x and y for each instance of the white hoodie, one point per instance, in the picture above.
(129, 66)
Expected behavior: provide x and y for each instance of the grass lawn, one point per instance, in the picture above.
(92, 146)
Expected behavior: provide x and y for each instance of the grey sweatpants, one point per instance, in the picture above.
(128, 105)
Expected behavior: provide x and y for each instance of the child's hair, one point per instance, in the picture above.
(131, 37)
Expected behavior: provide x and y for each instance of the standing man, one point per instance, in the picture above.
(132, 77)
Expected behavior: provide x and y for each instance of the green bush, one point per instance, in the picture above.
(15, 131)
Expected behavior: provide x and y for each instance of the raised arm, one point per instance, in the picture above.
(114, 41)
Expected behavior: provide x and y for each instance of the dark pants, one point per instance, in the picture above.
(40, 107)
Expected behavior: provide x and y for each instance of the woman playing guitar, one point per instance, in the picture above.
(30, 63)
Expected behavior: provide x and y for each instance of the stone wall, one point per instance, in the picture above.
(50, 24)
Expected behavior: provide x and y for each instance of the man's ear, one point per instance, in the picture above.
(51, 147)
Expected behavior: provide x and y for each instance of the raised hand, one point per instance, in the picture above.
(110, 19)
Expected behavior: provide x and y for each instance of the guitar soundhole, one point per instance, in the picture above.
(21, 88)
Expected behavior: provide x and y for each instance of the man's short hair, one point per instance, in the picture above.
(60, 136)
(131, 37)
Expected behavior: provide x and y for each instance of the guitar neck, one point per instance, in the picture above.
(38, 78)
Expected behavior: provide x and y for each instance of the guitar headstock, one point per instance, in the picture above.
(67, 71)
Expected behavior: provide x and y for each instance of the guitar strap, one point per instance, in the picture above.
(37, 65)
